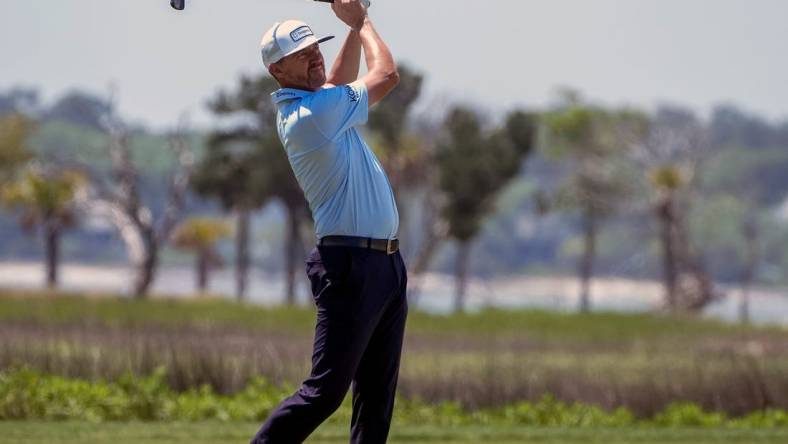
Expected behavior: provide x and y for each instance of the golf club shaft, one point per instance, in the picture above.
(180, 5)
(367, 3)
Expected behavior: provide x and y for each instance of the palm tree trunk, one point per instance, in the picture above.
(666, 217)
(586, 266)
(461, 274)
(242, 254)
(52, 246)
(201, 263)
(750, 230)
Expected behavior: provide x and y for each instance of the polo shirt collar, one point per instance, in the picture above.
(284, 94)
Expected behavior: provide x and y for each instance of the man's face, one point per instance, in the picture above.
(303, 70)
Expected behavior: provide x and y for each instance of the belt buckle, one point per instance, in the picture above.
(389, 246)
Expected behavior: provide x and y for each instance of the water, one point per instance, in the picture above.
(768, 305)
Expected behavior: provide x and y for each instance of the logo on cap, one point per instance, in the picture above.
(301, 33)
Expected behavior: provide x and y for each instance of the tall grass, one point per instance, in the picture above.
(484, 360)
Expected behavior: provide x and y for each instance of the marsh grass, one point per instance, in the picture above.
(493, 358)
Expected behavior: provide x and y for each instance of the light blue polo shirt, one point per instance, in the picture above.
(347, 189)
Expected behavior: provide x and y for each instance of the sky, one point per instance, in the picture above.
(494, 54)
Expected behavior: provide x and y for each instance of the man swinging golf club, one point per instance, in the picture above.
(357, 274)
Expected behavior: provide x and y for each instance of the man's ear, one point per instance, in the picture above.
(275, 70)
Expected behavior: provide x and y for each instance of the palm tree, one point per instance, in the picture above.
(401, 153)
(473, 167)
(230, 172)
(46, 200)
(14, 132)
(589, 139)
(672, 158)
(267, 173)
(667, 180)
(200, 235)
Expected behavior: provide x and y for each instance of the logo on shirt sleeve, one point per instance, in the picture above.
(352, 93)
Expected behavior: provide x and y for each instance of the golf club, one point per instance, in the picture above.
(180, 5)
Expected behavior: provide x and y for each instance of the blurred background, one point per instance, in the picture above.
(593, 201)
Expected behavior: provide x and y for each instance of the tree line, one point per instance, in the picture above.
(611, 164)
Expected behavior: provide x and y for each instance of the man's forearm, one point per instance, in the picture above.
(382, 76)
(376, 53)
(348, 62)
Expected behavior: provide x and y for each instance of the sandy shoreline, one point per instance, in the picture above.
(769, 305)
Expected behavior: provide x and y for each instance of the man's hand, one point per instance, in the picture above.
(352, 12)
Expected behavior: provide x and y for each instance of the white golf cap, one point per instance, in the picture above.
(286, 38)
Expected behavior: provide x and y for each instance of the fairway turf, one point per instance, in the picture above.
(35, 432)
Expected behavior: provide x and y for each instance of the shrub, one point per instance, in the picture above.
(688, 414)
(27, 394)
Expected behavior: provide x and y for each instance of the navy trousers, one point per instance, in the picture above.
(361, 313)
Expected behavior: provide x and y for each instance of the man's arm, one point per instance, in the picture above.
(382, 75)
(345, 69)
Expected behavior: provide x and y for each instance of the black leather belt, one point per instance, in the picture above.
(389, 246)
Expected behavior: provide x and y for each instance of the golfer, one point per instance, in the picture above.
(357, 274)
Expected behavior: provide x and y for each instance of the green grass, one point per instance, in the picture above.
(481, 360)
(54, 308)
(32, 432)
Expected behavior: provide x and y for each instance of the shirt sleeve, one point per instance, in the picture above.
(339, 108)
